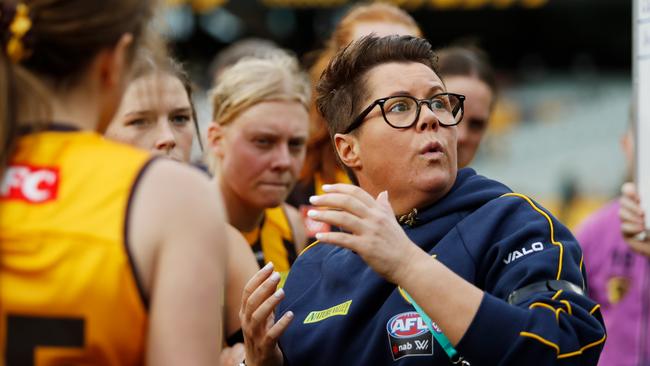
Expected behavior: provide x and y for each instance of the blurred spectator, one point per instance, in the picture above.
(569, 196)
(249, 47)
(257, 148)
(466, 70)
(618, 279)
(321, 164)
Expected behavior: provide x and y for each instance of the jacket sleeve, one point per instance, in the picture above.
(515, 243)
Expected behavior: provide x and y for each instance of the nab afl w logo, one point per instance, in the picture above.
(30, 184)
(408, 335)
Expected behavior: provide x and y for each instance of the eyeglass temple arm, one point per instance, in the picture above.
(459, 106)
(357, 121)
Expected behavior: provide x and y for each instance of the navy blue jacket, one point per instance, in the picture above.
(346, 314)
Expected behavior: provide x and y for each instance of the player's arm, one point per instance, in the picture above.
(298, 226)
(179, 243)
(241, 267)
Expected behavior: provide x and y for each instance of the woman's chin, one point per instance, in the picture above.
(271, 202)
(435, 183)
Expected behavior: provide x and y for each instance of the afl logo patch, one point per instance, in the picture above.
(408, 335)
(406, 325)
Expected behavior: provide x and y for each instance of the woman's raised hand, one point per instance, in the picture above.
(371, 229)
(261, 332)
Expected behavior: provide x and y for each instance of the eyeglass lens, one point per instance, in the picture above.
(401, 111)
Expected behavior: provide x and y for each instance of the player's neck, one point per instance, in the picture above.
(241, 215)
(77, 106)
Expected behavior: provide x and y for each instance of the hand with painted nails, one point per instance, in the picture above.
(261, 332)
(633, 220)
(371, 229)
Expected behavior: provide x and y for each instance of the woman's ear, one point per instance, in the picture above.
(114, 67)
(216, 139)
(347, 147)
(109, 73)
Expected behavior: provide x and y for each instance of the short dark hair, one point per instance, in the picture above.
(343, 85)
(466, 61)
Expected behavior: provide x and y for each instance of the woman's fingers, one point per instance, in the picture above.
(628, 216)
(630, 230)
(255, 282)
(351, 190)
(642, 248)
(258, 302)
(344, 240)
(630, 207)
(261, 293)
(340, 201)
(342, 219)
(263, 312)
(279, 327)
(629, 191)
(632, 215)
(382, 200)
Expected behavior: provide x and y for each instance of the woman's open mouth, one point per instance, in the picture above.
(432, 150)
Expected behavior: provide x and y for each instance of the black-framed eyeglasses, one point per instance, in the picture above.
(403, 111)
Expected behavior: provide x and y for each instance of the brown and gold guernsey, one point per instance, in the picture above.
(68, 289)
(273, 241)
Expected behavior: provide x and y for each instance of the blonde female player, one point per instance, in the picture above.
(257, 138)
(107, 256)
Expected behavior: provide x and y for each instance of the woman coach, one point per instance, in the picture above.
(469, 272)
